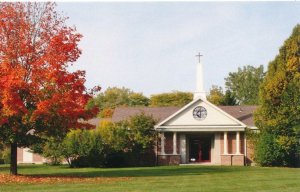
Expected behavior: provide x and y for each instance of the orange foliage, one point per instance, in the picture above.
(9, 179)
(36, 47)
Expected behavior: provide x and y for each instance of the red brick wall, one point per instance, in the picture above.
(250, 153)
(231, 138)
(168, 159)
(235, 160)
(242, 143)
(231, 142)
(168, 143)
(222, 143)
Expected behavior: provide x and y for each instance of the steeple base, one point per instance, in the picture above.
(202, 95)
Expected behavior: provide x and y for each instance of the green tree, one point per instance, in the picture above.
(83, 148)
(279, 114)
(52, 150)
(229, 99)
(115, 135)
(216, 95)
(129, 142)
(142, 134)
(176, 98)
(114, 97)
(138, 99)
(244, 84)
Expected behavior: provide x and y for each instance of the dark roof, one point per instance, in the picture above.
(242, 113)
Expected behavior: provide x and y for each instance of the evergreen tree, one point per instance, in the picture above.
(280, 104)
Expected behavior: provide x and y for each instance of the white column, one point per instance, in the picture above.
(217, 149)
(162, 143)
(174, 143)
(225, 144)
(237, 142)
(182, 149)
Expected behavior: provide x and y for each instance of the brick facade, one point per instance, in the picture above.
(250, 153)
(231, 138)
(168, 159)
(232, 160)
(168, 143)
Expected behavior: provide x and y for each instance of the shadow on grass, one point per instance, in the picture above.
(65, 171)
(140, 172)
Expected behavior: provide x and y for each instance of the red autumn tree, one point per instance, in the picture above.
(38, 95)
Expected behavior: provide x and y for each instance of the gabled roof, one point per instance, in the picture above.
(242, 113)
(216, 120)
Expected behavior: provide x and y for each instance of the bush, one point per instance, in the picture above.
(127, 143)
(83, 148)
(130, 142)
(274, 150)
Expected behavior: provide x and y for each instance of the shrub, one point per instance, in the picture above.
(274, 150)
(83, 148)
(127, 143)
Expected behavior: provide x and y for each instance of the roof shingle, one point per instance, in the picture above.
(242, 113)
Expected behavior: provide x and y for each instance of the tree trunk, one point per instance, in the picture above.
(13, 159)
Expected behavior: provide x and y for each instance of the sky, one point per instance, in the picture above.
(150, 47)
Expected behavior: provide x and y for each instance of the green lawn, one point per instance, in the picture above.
(168, 178)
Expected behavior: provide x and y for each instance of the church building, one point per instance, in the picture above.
(200, 132)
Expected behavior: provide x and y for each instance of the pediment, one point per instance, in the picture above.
(215, 118)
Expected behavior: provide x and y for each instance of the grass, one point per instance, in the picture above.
(167, 178)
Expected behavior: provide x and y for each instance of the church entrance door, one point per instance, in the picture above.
(200, 148)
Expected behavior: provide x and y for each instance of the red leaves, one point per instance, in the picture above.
(7, 179)
(36, 48)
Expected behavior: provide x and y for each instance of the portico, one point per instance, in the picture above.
(215, 148)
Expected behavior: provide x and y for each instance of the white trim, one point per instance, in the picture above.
(237, 143)
(162, 143)
(161, 124)
(182, 149)
(225, 145)
(174, 143)
(200, 129)
(245, 146)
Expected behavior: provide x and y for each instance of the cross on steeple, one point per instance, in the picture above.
(199, 55)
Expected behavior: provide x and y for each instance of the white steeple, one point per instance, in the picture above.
(199, 78)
